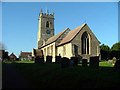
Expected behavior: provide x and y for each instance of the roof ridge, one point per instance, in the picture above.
(59, 33)
(63, 32)
(55, 37)
(75, 31)
(79, 29)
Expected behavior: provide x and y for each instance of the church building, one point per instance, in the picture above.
(68, 43)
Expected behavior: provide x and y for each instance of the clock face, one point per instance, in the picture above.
(48, 31)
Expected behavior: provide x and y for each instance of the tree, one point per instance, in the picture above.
(104, 50)
(107, 53)
(116, 46)
(104, 47)
(115, 50)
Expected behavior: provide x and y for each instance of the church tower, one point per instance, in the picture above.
(45, 27)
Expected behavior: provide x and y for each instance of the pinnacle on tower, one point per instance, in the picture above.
(53, 13)
(41, 11)
(47, 12)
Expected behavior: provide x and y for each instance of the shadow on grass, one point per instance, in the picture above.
(53, 76)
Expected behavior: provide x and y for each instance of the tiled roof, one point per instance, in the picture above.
(54, 38)
(13, 55)
(25, 54)
(71, 35)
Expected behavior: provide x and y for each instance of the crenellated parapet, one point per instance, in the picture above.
(46, 14)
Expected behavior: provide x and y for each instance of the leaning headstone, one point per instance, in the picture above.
(84, 62)
(94, 61)
(58, 59)
(64, 62)
(117, 65)
(48, 59)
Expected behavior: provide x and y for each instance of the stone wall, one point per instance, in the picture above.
(65, 53)
(94, 49)
(50, 52)
(42, 35)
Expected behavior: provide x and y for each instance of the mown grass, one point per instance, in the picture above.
(24, 61)
(12, 61)
(52, 75)
(105, 64)
(102, 63)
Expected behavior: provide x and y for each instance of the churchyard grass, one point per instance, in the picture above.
(102, 63)
(24, 61)
(105, 64)
(52, 75)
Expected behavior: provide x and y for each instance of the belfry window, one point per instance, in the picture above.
(47, 24)
(85, 43)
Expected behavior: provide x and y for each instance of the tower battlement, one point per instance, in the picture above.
(46, 14)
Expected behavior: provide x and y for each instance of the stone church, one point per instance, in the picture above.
(78, 42)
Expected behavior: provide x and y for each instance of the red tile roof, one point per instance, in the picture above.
(13, 55)
(25, 54)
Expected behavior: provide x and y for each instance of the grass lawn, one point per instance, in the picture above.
(24, 61)
(52, 75)
(105, 64)
(102, 63)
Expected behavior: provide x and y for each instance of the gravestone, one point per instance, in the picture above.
(84, 62)
(39, 59)
(71, 63)
(48, 59)
(79, 59)
(94, 61)
(57, 59)
(75, 60)
(117, 65)
(64, 62)
(114, 60)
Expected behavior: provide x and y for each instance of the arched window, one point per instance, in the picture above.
(47, 24)
(85, 43)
